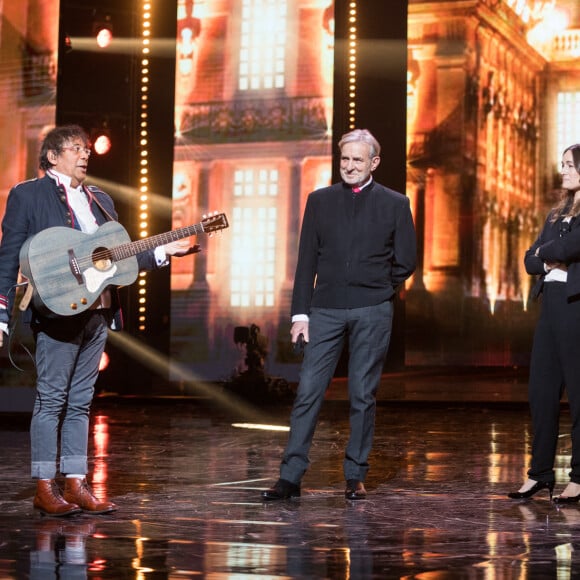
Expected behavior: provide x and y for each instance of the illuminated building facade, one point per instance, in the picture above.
(253, 137)
(28, 53)
(493, 97)
(486, 85)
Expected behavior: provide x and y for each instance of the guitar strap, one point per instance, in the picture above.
(26, 298)
(116, 322)
(107, 215)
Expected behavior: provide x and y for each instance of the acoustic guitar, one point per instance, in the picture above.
(68, 269)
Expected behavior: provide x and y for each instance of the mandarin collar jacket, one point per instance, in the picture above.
(355, 250)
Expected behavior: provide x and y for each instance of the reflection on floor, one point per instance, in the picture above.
(187, 475)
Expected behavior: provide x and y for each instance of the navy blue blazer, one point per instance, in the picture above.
(37, 204)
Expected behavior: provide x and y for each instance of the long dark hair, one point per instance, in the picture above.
(567, 207)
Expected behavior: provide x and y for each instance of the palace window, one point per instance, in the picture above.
(254, 225)
(263, 45)
(568, 121)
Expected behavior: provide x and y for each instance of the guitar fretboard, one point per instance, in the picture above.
(133, 248)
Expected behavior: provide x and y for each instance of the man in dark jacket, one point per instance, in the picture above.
(68, 348)
(357, 245)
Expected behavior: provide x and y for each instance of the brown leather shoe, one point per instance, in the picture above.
(77, 490)
(50, 502)
(355, 490)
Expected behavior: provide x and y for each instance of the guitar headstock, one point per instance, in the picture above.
(214, 222)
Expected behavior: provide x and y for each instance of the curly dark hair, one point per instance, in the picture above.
(56, 138)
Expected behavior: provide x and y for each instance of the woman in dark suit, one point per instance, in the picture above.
(555, 361)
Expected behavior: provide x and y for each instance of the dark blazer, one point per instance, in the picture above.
(555, 246)
(37, 204)
(354, 250)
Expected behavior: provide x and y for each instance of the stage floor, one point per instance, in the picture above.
(187, 476)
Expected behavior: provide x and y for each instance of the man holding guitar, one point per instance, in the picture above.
(69, 344)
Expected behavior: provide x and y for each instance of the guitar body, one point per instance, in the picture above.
(69, 269)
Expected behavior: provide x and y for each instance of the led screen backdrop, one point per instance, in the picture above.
(254, 86)
(493, 96)
(492, 102)
(491, 91)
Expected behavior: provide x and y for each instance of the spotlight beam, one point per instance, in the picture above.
(163, 366)
(161, 204)
(164, 47)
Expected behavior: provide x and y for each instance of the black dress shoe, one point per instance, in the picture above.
(282, 489)
(538, 486)
(355, 490)
(567, 498)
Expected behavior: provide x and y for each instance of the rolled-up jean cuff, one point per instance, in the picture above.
(74, 464)
(43, 470)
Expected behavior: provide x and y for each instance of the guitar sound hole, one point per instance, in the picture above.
(102, 259)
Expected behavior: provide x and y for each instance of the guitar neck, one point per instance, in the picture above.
(133, 248)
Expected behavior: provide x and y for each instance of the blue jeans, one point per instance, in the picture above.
(368, 331)
(68, 353)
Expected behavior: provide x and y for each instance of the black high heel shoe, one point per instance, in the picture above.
(538, 486)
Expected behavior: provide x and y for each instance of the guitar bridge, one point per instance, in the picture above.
(74, 267)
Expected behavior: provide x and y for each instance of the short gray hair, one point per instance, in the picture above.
(363, 135)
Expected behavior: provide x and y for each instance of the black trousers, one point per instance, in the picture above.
(555, 366)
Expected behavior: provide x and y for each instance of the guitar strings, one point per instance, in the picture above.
(126, 250)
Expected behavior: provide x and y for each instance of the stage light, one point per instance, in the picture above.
(102, 143)
(66, 44)
(103, 32)
(104, 362)
(104, 37)
(261, 427)
(101, 136)
(144, 152)
(352, 73)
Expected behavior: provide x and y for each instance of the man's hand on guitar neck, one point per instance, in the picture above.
(181, 248)
(4, 321)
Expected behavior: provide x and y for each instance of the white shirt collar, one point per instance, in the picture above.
(78, 201)
(367, 183)
(63, 179)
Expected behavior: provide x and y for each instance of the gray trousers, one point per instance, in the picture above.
(368, 331)
(67, 363)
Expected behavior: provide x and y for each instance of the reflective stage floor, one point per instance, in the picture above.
(187, 474)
